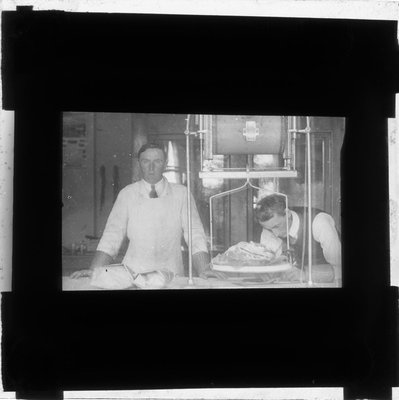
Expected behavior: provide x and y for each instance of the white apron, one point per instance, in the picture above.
(155, 233)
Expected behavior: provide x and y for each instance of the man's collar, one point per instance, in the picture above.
(159, 186)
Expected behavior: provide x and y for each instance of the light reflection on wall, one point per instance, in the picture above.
(172, 176)
(217, 162)
(172, 172)
(267, 185)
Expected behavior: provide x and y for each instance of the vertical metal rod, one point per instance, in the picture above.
(95, 174)
(330, 175)
(227, 209)
(293, 148)
(309, 173)
(211, 224)
(249, 199)
(293, 122)
(287, 222)
(201, 150)
(189, 244)
(288, 155)
(323, 158)
(323, 172)
(201, 135)
(210, 133)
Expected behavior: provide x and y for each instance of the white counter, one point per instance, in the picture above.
(69, 284)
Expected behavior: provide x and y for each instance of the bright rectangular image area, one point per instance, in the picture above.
(183, 201)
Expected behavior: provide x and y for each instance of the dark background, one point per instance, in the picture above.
(54, 341)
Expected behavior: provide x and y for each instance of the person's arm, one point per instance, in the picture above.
(112, 238)
(115, 230)
(199, 246)
(100, 258)
(326, 234)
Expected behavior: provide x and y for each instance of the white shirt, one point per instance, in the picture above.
(324, 232)
(293, 232)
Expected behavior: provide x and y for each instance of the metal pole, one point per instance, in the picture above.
(95, 174)
(293, 132)
(211, 223)
(287, 222)
(210, 133)
(201, 135)
(289, 159)
(189, 244)
(293, 148)
(309, 173)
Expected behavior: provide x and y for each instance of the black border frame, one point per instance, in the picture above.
(58, 61)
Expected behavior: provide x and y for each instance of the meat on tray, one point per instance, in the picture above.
(246, 253)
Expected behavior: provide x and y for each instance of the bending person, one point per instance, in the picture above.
(326, 245)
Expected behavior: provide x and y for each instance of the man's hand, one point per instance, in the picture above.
(100, 259)
(83, 273)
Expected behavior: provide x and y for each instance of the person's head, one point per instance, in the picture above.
(270, 212)
(152, 161)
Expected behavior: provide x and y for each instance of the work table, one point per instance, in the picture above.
(180, 282)
(76, 262)
(72, 263)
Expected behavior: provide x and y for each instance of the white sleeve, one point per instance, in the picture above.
(326, 234)
(198, 234)
(116, 227)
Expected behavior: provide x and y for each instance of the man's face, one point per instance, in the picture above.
(277, 224)
(152, 165)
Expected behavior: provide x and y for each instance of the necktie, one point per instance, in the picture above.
(153, 193)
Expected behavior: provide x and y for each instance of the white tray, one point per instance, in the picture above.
(260, 269)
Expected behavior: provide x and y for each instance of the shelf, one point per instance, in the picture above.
(243, 174)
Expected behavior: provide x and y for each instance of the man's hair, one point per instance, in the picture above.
(151, 145)
(270, 205)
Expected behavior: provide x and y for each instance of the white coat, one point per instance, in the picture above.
(154, 228)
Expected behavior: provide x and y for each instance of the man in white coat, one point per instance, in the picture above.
(152, 215)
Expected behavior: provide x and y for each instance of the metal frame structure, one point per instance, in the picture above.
(308, 171)
(188, 172)
(288, 171)
(236, 190)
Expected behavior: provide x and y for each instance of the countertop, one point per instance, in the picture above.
(71, 263)
(76, 262)
(179, 282)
